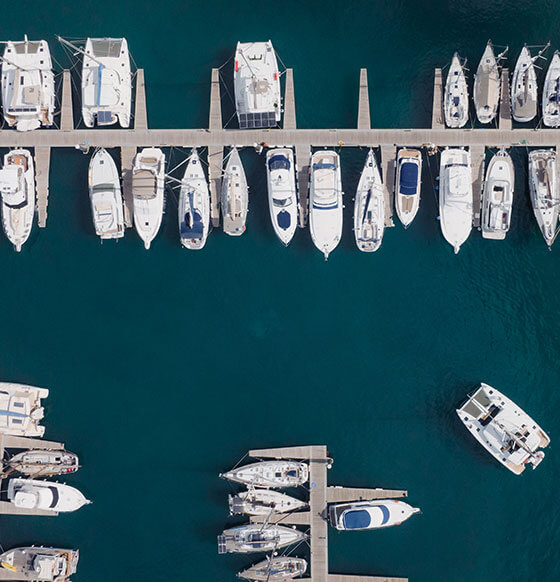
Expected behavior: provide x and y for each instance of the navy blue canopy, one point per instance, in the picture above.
(192, 225)
(356, 519)
(321, 166)
(284, 219)
(279, 162)
(408, 179)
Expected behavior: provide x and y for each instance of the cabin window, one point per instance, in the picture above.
(18, 404)
(17, 421)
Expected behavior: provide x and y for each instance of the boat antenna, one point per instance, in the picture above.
(79, 50)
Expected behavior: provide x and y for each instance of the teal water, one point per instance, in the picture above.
(166, 366)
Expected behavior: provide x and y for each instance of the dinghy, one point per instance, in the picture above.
(44, 462)
(45, 495)
(273, 474)
(544, 189)
(487, 86)
(275, 569)
(194, 205)
(40, 564)
(21, 410)
(258, 538)
(456, 97)
(263, 502)
(408, 182)
(551, 93)
(235, 195)
(498, 196)
(363, 515)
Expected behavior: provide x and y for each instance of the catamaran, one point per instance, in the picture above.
(40, 564)
(551, 93)
(43, 462)
(27, 85)
(524, 87)
(282, 194)
(21, 410)
(498, 196)
(17, 188)
(508, 433)
(325, 201)
(369, 207)
(408, 182)
(455, 196)
(148, 183)
(363, 515)
(456, 98)
(276, 569)
(194, 205)
(274, 474)
(545, 194)
(486, 93)
(263, 502)
(258, 538)
(45, 495)
(235, 195)
(256, 83)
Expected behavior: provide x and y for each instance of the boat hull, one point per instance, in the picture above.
(456, 96)
(270, 474)
(408, 183)
(45, 495)
(497, 197)
(544, 189)
(275, 569)
(486, 93)
(364, 515)
(235, 196)
(524, 88)
(194, 206)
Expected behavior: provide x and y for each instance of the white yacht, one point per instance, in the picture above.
(498, 196)
(194, 205)
(274, 474)
(235, 195)
(544, 189)
(28, 94)
(486, 93)
(508, 433)
(456, 98)
(282, 194)
(258, 538)
(275, 569)
(105, 196)
(256, 83)
(148, 183)
(263, 502)
(369, 207)
(325, 201)
(40, 564)
(45, 495)
(44, 462)
(551, 93)
(21, 410)
(17, 188)
(363, 515)
(455, 196)
(524, 88)
(408, 183)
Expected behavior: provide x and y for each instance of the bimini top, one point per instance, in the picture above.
(409, 178)
(192, 226)
(279, 162)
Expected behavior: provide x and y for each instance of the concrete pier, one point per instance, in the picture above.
(438, 121)
(66, 110)
(388, 155)
(140, 109)
(504, 120)
(42, 167)
(215, 152)
(346, 494)
(289, 101)
(303, 159)
(364, 121)
(477, 166)
(127, 161)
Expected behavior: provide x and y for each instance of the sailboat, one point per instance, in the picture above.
(408, 182)
(275, 569)
(544, 189)
(194, 205)
(270, 474)
(456, 97)
(486, 93)
(551, 93)
(524, 86)
(235, 195)
(263, 502)
(44, 462)
(258, 538)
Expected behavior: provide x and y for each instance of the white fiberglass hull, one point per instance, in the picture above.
(408, 183)
(498, 197)
(194, 205)
(258, 538)
(545, 193)
(486, 93)
(364, 515)
(277, 569)
(21, 410)
(235, 196)
(45, 495)
(456, 95)
(270, 474)
(524, 88)
(263, 502)
(551, 93)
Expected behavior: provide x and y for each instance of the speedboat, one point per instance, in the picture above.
(275, 569)
(21, 410)
(256, 83)
(508, 433)
(369, 207)
(370, 514)
(325, 201)
(456, 98)
(498, 196)
(282, 196)
(105, 196)
(486, 93)
(148, 182)
(274, 474)
(45, 495)
(408, 182)
(544, 188)
(17, 187)
(194, 205)
(524, 88)
(263, 502)
(258, 538)
(45, 462)
(27, 85)
(40, 564)
(235, 195)
(551, 93)
(455, 196)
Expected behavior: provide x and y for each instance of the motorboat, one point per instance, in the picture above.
(17, 188)
(487, 85)
(524, 88)
(194, 205)
(263, 502)
(28, 95)
(40, 564)
(270, 474)
(551, 93)
(377, 514)
(275, 569)
(497, 198)
(258, 538)
(21, 410)
(256, 84)
(282, 193)
(369, 207)
(325, 201)
(44, 462)
(45, 495)
(508, 433)
(544, 189)
(455, 196)
(456, 97)
(105, 196)
(235, 195)
(148, 183)
(408, 183)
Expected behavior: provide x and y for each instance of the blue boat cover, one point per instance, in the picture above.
(408, 181)
(324, 167)
(284, 220)
(279, 162)
(197, 227)
(356, 519)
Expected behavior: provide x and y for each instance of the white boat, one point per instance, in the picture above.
(105, 196)
(544, 189)
(486, 92)
(369, 207)
(40, 564)
(524, 88)
(456, 97)
(551, 93)
(498, 196)
(21, 410)
(363, 515)
(263, 502)
(508, 433)
(408, 183)
(256, 83)
(325, 201)
(148, 183)
(455, 196)
(235, 195)
(282, 194)
(17, 187)
(258, 538)
(274, 474)
(194, 205)
(45, 495)
(275, 569)
(28, 95)
(44, 462)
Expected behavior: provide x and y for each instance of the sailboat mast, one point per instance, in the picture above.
(79, 50)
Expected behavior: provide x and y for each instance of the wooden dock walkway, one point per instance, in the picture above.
(66, 109)
(504, 120)
(140, 108)
(215, 152)
(477, 164)
(438, 121)
(42, 168)
(338, 494)
(364, 120)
